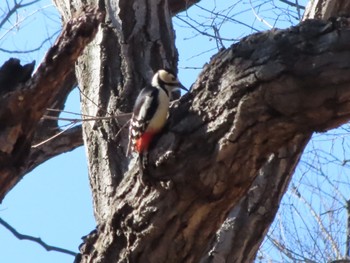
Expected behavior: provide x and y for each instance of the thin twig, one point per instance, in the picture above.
(203, 32)
(54, 136)
(75, 121)
(22, 20)
(13, 10)
(71, 112)
(87, 97)
(121, 128)
(319, 221)
(48, 117)
(288, 252)
(227, 18)
(35, 239)
(258, 17)
(293, 4)
(30, 50)
(202, 68)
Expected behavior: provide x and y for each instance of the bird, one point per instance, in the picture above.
(150, 112)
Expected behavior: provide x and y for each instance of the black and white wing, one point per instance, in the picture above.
(145, 107)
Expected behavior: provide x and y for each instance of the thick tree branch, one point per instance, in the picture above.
(251, 100)
(22, 109)
(177, 6)
(49, 137)
(49, 127)
(241, 219)
(12, 73)
(243, 231)
(65, 142)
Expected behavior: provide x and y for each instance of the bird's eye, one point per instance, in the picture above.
(173, 78)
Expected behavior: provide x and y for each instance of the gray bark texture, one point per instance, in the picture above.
(322, 9)
(241, 234)
(230, 146)
(249, 114)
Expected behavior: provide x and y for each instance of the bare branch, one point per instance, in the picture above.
(258, 17)
(14, 9)
(203, 32)
(30, 50)
(64, 141)
(19, 21)
(293, 4)
(23, 112)
(291, 254)
(227, 18)
(35, 239)
(324, 231)
(75, 120)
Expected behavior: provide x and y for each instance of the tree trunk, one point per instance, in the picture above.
(136, 40)
(323, 9)
(245, 121)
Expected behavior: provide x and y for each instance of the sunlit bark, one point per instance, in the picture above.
(237, 123)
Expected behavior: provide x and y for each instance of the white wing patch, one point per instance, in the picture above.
(144, 108)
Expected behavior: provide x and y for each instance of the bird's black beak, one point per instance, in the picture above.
(182, 87)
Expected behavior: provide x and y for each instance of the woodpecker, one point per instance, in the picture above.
(151, 111)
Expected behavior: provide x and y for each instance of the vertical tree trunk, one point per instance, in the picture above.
(136, 40)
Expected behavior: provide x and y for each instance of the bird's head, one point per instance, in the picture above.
(167, 79)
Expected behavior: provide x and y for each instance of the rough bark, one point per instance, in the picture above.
(136, 39)
(238, 113)
(23, 106)
(325, 9)
(240, 236)
(251, 101)
(243, 231)
(49, 140)
(55, 145)
(177, 6)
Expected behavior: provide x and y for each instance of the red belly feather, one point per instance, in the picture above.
(143, 142)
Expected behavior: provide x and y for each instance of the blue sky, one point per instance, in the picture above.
(54, 201)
